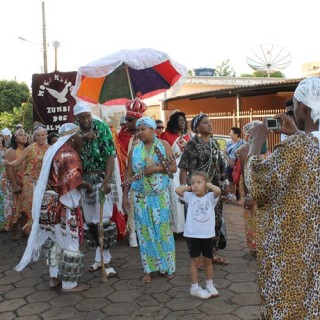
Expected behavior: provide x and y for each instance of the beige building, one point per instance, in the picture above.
(311, 69)
(195, 84)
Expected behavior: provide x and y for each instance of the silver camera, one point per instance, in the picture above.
(273, 124)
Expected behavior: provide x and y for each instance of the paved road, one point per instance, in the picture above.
(26, 295)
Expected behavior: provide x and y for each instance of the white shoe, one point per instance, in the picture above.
(133, 243)
(212, 290)
(200, 293)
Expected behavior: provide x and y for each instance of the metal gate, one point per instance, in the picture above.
(224, 121)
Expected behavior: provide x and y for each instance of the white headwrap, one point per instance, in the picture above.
(249, 126)
(308, 92)
(6, 132)
(38, 236)
(81, 107)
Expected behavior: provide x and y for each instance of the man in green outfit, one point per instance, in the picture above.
(97, 158)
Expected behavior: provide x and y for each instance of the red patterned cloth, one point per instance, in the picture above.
(66, 170)
(66, 175)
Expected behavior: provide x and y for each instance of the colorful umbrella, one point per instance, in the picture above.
(126, 74)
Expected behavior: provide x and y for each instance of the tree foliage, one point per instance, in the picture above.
(224, 69)
(15, 105)
(12, 94)
(264, 73)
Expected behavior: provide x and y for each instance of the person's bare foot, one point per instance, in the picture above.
(146, 278)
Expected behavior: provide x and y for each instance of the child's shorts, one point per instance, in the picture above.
(199, 246)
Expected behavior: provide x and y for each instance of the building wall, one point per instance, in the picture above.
(228, 105)
(311, 69)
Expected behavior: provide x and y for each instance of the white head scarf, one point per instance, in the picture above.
(81, 107)
(6, 132)
(249, 126)
(308, 92)
(37, 236)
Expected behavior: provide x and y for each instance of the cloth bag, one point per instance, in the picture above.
(236, 172)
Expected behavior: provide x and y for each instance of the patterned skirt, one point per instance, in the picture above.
(156, 241)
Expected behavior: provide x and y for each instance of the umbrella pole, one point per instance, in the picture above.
(129, 81)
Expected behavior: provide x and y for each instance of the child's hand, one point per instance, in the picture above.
(209, 185)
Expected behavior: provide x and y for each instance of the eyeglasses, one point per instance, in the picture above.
(128, 119)
(160, 127)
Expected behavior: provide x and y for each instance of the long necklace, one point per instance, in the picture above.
(207, 166)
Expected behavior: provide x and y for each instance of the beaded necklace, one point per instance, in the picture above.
(207, 166)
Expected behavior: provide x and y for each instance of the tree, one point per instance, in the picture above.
(15, 105)
(264, 73)
(12, 94)
(224, 69)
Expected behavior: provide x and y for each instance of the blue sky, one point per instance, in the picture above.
(198, 34)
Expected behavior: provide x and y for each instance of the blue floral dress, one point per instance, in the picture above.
(151, 212)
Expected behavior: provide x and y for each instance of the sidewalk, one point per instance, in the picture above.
(26, 295)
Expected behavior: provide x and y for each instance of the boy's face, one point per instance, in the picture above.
(198, 185)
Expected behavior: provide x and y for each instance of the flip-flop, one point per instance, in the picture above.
(167, 276)
(220, 260)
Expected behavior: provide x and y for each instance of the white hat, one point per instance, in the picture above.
(6, 132)
(81, 107)
(308, 92)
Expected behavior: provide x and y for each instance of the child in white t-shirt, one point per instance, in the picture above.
(200, 229)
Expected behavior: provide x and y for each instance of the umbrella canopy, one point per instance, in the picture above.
(126, 74)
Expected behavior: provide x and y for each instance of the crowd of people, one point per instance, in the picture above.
(172, 180)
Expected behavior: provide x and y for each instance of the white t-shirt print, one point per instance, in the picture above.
(200, 221)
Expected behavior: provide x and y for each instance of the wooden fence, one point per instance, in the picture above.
(224, 121)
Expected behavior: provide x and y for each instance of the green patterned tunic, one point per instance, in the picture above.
(96, 152)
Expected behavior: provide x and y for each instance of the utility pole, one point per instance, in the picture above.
(44, 40)
(56, 45)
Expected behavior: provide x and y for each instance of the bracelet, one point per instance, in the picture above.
(256, 156)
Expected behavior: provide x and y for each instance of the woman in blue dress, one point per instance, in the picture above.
(147, 174)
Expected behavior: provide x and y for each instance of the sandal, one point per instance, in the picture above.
(95, 267)
(111, 273)
(220, 260)
(167, 276)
